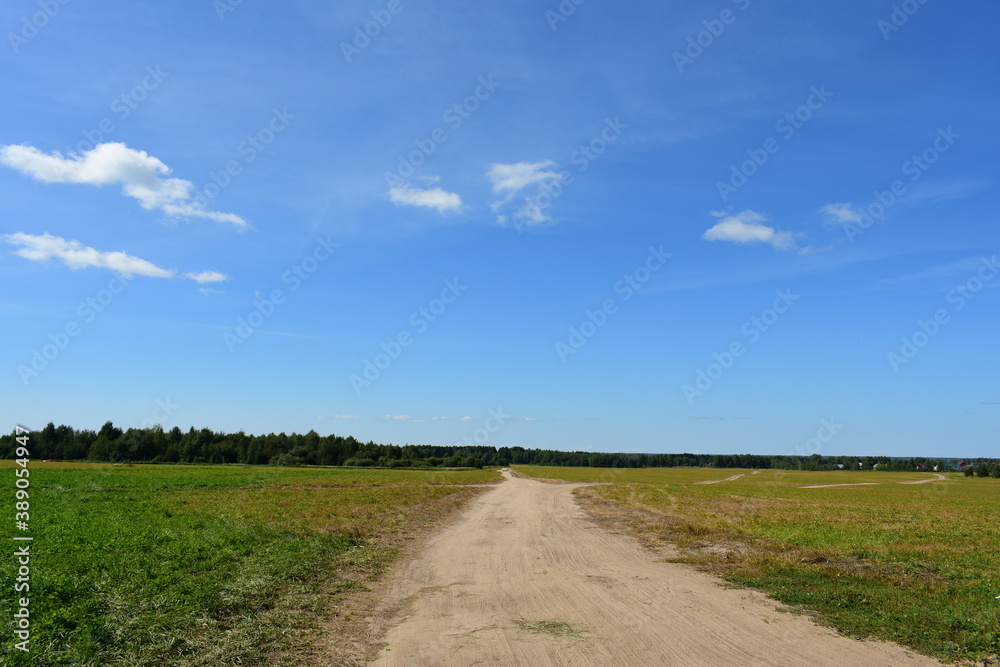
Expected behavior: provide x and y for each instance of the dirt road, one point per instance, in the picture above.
(525, 578)
(935, 478)
(717, 481)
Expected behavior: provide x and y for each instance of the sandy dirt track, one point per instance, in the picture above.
(935, 478)
(525, 551)
(718, 481)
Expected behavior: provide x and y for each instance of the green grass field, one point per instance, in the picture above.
(200, 565)
(915, 564)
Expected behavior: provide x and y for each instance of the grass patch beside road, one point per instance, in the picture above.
(202, 565)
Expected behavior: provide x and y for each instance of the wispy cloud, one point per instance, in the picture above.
(75, 255)
(436, 198)
(346, 417)
(509, 180)
(206, 277)
(949, 190)
(961, 267)
(843, 213)
(142, 177)
(401, 418)
(745, 227)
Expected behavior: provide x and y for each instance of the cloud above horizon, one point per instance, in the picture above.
(440, 200)
(401, 418)
(75, 255)
(509, 180)
(843, 213)
(745, 227)
(142, 177)
(205, 277)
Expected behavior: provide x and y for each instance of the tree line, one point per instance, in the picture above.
(155, 445)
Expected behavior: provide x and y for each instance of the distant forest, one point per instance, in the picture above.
(154, 445)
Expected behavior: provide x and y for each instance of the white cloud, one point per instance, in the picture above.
(466, 419)
(206, 277)
(843, 213)
(78, 256)
(531, 419)
(746, 227)
(436, 198)
(508, 180)
(398, 418)
(209, 292)
(141, 176)
(346, 417)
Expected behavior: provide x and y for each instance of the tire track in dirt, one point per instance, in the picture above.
(718, 481)
(935, 478)
(524, 577)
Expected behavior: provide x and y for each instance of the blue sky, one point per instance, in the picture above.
(659, 227)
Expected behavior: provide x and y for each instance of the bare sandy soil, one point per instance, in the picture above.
(935, 478)
(717, 481)
(524, 577)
